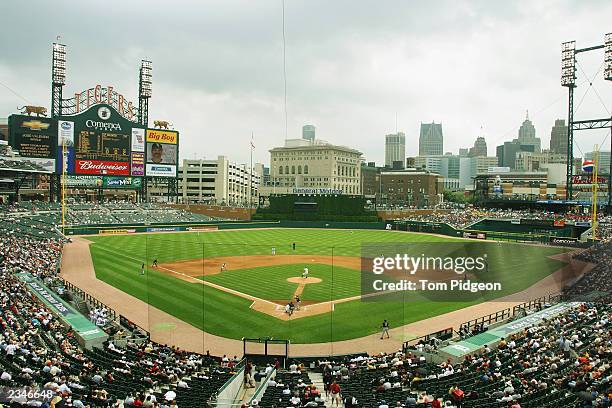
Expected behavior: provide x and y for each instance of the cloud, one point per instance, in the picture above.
(352, 66)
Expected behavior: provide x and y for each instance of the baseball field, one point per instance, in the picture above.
(263, 270)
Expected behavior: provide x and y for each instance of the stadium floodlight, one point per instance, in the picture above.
(608, 57)
(146, 74)
(58, 72)
(568, 64)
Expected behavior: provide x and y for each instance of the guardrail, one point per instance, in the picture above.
(261, 390)
(441, 335)
(226, 396)
(466, 329)
(536, 304)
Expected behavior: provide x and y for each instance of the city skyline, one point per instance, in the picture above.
(356, 71)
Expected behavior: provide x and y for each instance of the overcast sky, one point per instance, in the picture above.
(352, 67)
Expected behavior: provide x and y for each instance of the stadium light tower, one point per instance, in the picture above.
(145, 87)
(58, 78)
(568, 79)
(608, 57)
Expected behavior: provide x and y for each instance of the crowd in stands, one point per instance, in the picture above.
(563, 362)
(465, 217)
(598, 281)
(45, 217)
(37, 350)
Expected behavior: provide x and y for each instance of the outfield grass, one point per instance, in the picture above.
(117, 261)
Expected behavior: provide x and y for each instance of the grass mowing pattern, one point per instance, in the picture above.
(117, 261)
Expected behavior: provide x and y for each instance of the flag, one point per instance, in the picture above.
(252, 144)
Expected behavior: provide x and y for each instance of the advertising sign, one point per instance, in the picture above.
(122, 182)
(65, 133)
(162, 152)
(162, 136)
(475, 235)
(138, 140)
(138, 163)
(101, 167)
(33, 137)
(83, 181)
(563, 240)
(161, 170)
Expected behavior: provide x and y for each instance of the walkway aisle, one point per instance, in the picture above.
(317, 380)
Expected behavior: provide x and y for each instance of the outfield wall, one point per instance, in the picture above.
(213, 225)
(506, 230)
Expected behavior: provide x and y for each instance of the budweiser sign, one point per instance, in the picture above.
(102, 167)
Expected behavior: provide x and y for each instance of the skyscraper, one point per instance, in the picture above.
(308, 132)
(431, 141)
(527, 135)
(480, 147)
(395, 148)
(558, 137)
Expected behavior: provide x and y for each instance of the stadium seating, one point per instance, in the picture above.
(563, 362)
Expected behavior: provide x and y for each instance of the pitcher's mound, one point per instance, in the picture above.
(299, 279)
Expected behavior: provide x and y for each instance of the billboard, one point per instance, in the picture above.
(103, 182)
(121, 182)
(104, 167)
(161, 152)
(33, 136)
(138, 163)
(138, 140)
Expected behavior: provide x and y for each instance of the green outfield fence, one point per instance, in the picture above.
(504, 230)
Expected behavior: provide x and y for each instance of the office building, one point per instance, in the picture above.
(317, 165)
(411, 188)
(558, 137)
(479, 149)
(395, 149)
(308, 132)
(218, 181)
(506, 153)
(527, 135)
(431, 140)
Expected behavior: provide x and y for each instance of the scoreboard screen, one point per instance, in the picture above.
(102, 146)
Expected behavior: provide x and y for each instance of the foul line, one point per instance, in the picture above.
(200, 281)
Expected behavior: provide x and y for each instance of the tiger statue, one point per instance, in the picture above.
(29, 110)
(162, 124)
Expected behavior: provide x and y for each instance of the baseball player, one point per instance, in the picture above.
(142, 269)
(385, 329)
(305, 273)
(298, 301)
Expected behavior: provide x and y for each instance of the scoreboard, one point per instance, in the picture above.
(99, 141)
(96, 142)
(34, 139)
